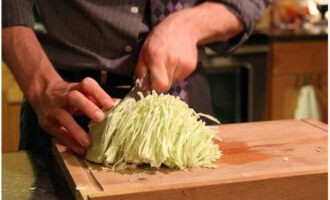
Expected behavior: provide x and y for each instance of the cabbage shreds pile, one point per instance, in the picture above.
(156, 130)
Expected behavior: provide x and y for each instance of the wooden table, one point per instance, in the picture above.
(284, 159)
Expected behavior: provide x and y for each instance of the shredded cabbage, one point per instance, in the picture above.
(156, 130)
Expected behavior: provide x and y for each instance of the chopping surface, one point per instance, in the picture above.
(271, 155)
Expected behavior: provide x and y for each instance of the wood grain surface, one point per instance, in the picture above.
(284, 159)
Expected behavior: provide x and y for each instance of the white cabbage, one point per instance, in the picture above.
(156, 130)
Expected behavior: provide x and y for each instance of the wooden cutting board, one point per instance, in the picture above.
(284, 159)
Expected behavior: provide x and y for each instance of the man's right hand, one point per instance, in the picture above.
(53, 99)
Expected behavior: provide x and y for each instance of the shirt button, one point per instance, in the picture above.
(128, 48)
(134, 10)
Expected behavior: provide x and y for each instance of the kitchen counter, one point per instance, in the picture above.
(32, 175)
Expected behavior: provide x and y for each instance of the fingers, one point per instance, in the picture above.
(62, 136)
(159, 78)
(164, 66)
(86, 98)
(85, 105)
(92, 88)
(164, 74)
(141, 69)
(188, 67)
(66, 120)
(55, 111)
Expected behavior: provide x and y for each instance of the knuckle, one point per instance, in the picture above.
(87, 82)
(44, 123)
(72, 96)
(60, 115)
(172, 61)
(47, 125)
(190, 66)
(163, 85)
(77, 99)
(45, 117)
(154, 51)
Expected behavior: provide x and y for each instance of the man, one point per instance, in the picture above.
(88, 52)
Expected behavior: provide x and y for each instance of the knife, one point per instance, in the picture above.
(141, 85)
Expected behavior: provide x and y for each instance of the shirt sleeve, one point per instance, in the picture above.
(248, 12)
(17, 12)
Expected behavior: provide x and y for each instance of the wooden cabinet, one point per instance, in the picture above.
(11, 104)
(294, 64)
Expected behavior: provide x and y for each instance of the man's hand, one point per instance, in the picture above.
(169, 53)
(58, 102)
(53, 99)
(170, 50)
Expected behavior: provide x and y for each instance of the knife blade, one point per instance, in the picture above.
(141, 85)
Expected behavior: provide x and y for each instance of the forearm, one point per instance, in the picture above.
(53, 99)
(27, 61)
(210, 22)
